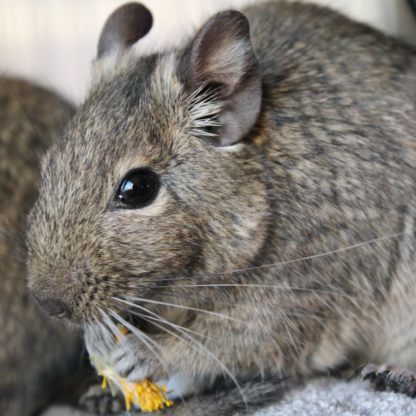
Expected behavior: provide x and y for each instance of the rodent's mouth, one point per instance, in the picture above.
(138, 322)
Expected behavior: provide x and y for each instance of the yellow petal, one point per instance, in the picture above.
(150, 396)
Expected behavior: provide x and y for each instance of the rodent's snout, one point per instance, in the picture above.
(55, 308)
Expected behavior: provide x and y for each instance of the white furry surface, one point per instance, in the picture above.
(322, 397)
(328, 397)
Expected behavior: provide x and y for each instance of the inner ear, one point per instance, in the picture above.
(221, 59)
(125, 26)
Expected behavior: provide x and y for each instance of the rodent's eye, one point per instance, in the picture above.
(137, 189)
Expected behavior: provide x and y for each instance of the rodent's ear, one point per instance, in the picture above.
(125, 26)
(221, 56)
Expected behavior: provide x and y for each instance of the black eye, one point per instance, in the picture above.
(138, 189)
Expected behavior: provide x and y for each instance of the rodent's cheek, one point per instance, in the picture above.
(157, 239)
(125, 232)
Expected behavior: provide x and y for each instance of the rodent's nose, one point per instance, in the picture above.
(55, 308)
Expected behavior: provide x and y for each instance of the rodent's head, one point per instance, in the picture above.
(157, 177)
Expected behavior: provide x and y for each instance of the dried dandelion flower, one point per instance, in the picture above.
(150, 396)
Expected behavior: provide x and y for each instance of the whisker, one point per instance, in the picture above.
(197, 343)
(141, 335)
(107, 336)
(114, 328)
(249, 285)
(145, 317)
(334, 292)
(294, 314)
(180, 306)
(13, 258)
(199, 300)
(283, 263)
(35, 162)
(12, 237)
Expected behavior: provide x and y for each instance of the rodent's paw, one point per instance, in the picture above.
(391, 377)
(135, 362)
(100, 401)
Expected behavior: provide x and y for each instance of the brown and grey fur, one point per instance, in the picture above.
(288, 251)
(36, 354)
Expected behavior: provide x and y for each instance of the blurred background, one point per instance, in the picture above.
(53, 42)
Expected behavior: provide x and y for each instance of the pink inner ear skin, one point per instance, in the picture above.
(221, 54)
